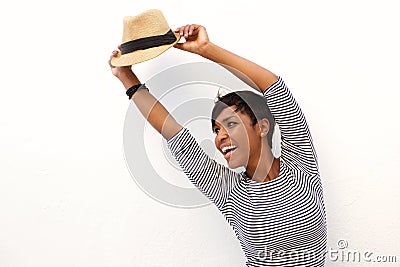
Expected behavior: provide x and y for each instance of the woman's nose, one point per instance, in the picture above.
(222, 135)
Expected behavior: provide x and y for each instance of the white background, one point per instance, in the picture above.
(66, 196)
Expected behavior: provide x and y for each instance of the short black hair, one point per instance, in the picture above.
(248, 103)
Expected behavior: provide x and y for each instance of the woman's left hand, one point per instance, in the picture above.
(196, 38)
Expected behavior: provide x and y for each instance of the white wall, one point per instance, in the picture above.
(66, 196)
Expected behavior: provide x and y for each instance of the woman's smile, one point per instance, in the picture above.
(228, 150)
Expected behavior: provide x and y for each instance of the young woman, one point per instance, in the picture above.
(276, 206)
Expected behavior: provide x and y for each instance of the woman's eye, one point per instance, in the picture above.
(230, 124)
(216, 130)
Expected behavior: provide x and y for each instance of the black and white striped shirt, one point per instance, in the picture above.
(280, 222)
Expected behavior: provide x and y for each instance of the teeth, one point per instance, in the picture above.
(226, 148)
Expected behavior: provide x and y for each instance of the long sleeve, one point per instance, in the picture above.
(214, 180)
(297, 149)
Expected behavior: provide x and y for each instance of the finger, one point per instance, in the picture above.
(186, 30)
(192, 29)
(113, 54)
(180, 30)
(179, 46)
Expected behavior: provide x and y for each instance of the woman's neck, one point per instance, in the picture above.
(263, 169)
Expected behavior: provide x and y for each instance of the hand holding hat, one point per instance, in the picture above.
(196, 38)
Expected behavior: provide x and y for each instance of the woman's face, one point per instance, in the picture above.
(236, 138)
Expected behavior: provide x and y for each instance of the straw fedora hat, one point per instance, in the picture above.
(144, 37)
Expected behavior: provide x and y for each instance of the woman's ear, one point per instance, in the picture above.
(264, 127)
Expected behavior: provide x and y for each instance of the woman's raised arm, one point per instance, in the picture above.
(197, 42)
(154, 112)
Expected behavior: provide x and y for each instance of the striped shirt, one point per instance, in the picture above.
(280, 222)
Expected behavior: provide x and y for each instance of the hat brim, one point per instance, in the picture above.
(141, 55)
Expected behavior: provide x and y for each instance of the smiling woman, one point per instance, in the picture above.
(276, 206)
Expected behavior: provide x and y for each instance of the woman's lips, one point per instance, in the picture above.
(229, 154)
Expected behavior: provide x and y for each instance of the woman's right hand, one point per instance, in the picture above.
(124, 74)
(118, 71)
(196, 38)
